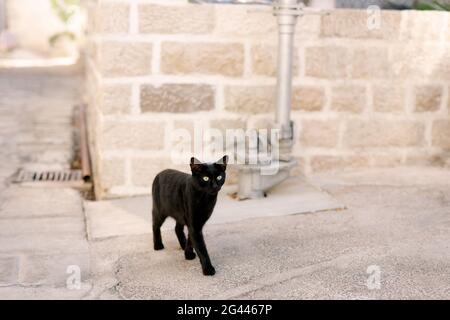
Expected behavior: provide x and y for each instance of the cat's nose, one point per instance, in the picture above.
(216, 187)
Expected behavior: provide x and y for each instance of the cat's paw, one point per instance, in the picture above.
(209, 271)
(158, 246)
(189, 255)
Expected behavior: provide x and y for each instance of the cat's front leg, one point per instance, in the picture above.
(200, 247)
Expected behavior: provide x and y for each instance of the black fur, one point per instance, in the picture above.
(190, 201)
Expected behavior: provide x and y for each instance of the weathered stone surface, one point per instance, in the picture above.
(252, 99)
(37, 235)
(358, 24)
(232, 175)
(424, 25)
(91, 12)
(91, 82)
(225, 59)
(426, 61)
(370, 62)
(384, 133)
(260, 121)
(144, 170)
(236, 21)
(441, 66)
(339, 163)
(172, 19)
(112, 17)
(319, 133)
(9, 270)
(308, 98)
(44, 293)
(348, 98)
(123, 59)
(41, 243)
(300, 169)
(428, 98)
(41, 202)
(182, 139)
(327, 62)
(115, 99)
(448, 30)
(264, 60)
(132, 135)
(227, 124)
(185, 125)
(43, 225)
(389, 98)
(177, 98)
(54, 270)
(387, 160)
(228, 128)
(91, 50)
(441, 134)
(112, 172)
(307, 28)
(420, 159)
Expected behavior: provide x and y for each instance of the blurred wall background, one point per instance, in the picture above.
(33, 23)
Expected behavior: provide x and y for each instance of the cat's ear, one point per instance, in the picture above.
(196, 164)
(223, 163)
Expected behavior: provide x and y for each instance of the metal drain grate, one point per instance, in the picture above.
(69, 178)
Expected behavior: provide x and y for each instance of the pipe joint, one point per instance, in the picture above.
(288, 8)
(292, 8)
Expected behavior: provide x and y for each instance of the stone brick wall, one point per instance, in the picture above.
(361, 99)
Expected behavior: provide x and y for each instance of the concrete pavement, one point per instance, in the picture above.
(42, 230)
(400, 228)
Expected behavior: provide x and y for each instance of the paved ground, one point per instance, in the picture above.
(42, 231)
(402, 230)
(397, 223)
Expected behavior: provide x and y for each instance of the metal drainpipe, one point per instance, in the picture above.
(287, 12)
(252, 182)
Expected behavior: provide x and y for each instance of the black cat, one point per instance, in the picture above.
(190, 200)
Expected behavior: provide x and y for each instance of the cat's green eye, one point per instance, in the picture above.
(205, 178)
(219, 177)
